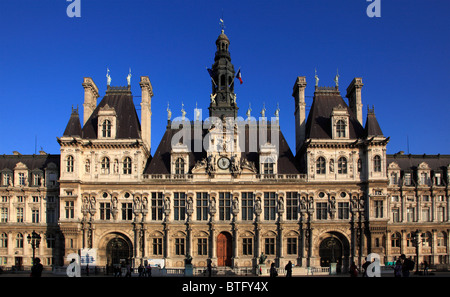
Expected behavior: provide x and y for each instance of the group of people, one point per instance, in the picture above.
(402, 267)
(274, 273)
(145, 271)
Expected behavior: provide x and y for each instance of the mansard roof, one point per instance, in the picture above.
(32, 162)
(318, 124)
(128, 125)
(160, 163)
(411, 162)
(73, 127)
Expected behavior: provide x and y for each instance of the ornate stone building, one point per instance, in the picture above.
(229, 189)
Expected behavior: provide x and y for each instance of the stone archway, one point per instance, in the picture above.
(334, 247)
(119, 251)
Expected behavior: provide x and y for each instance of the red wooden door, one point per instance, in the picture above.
(224, 249)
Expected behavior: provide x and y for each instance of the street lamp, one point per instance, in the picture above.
(34, 239)
(416, 241)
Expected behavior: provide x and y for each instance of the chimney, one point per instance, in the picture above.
(146, 111)
(300, 115)
(354, 98)
(90, 97)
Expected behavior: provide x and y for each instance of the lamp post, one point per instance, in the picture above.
(416, 241)
(34, 239)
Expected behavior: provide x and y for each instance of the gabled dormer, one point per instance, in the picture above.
(340, 122)
(107, 123)
(268, 159)
(179, 159)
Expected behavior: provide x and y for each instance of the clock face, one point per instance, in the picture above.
(223, 163)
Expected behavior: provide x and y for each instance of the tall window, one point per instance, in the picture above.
(340, 128)
(157, 206)
(127, 211)
(179, 166)
(423, 178)
(35, 215)
(378, 209)
(69, 164)
(410, 214)
(342, 165)
(247, 246)
(36, 180)
(343, 210)
(179, 246)
(291, 205)
(320, 165)
(394, 178)
(19, 215)
(22, 179)
(105, 165)
(377, 164)
(269, 246)
(50, 241)
(202, 246)
(70, 209)
(6, 179)
(426, 217)
(105, 211)
(291, 245)
(51, 215)
(106, 128)
(247, 206)
(440, 213)
(3, 240)
(157, 246)
(127, 165)
(4, 215)
(395, 215)
(269, 205)
(19, 240)
(202, 206)
(407, 179)
(179, 206)
(321, 210)
(224, 206)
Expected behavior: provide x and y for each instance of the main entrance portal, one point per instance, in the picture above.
(118, 251)
(224, 249)
(330, 251)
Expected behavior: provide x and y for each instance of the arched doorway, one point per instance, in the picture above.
(330, 251)
(118, 252)
(224, 249)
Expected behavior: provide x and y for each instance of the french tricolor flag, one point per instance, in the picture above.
(238, 76)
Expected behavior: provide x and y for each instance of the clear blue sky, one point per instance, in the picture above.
(403, 58)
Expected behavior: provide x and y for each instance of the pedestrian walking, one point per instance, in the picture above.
(398, 268)
(425, 268)
(273, 270)
(36, 269)
(288, 269)
(364, 266)
(353, 270)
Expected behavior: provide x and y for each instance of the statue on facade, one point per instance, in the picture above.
(108, 77)
(129, 77)
(169, 112)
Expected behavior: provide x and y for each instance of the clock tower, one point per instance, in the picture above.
(223, 99)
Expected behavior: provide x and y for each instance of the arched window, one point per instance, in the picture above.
(127, 165)
(396, 239)
(377, 164)
(342, 165)
(340, 128)
(441, 239)
(19, 240)
(4, 240)
(320, 165)
(69, 164)
(106, 128)
(179, 166)
(105, 165)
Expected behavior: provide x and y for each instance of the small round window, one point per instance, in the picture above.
(321, 194)
(343, 194)
(105, 195)
(126, 195)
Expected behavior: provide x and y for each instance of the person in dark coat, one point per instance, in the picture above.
(273, 270)
(288, 269)
(36, 269)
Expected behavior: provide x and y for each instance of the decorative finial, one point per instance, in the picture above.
(317, 78)
(108, 77)
(183, 112)
(277, 111)
(263, 111)
(129, 77)
(197, 112)
(222, 24)
(336, 78)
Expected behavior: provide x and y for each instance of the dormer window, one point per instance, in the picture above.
(268, 166)
(107, 122)
(377, 164)
(106, 128)
(179, 166)
(320, 165)
(342, 165)
(268, 159)
(339, 120)
(340, 129)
